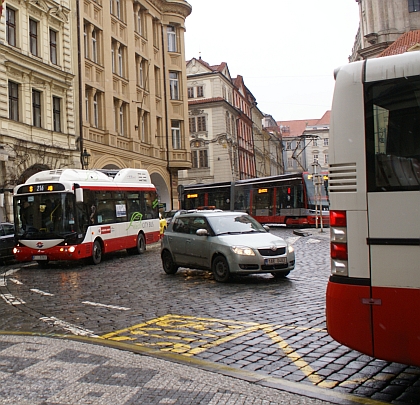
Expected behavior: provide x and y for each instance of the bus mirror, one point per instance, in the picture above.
(79, 194)
(1, 200)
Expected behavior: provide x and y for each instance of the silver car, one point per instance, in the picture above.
(226, 243)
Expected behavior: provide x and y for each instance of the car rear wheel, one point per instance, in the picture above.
(168, 263)
(220, 269)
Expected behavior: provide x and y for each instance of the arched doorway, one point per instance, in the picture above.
(162, 189)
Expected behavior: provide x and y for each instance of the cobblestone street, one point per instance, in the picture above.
(256, 324)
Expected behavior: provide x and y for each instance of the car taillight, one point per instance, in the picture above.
(339, 253)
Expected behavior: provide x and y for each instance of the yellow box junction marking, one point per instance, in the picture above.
(189, 336)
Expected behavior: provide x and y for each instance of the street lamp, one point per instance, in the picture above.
(85, 159)
(317, 180)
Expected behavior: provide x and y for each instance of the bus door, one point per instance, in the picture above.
(393, 203)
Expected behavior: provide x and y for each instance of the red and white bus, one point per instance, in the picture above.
(373, 294)
(75, 214)
(290, 199)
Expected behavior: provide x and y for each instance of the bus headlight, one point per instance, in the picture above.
(242, 250)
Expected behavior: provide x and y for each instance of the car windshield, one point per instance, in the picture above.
(228, 224)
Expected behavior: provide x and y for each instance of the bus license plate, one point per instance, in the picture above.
(276, 260)
(40, 257)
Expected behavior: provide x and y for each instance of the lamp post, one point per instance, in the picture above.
(317, 180)
(85, 159)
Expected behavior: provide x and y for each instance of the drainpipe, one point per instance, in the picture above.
(166, 116)
(80, 83)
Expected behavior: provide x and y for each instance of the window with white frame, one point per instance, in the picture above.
(122, 120)
(299, 145)
(36, 108)
(94, 46)
(53, 47)
(326, 159)
(190, 92)
(199, 155)
(171, 31)
(176, 134)
(11, 30)
(316, 157)
(197, 124)
(315, 142)
(33, 37)
(113, 46)
(157, 82)
(120, 61)
(325, 141)
(96, 110)
(56, 101)
(85, 40)
(200, 91)
(174, 85)
(289, 145)
(13, 101)
(290, 162)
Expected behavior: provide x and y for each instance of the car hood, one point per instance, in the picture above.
(255, 240)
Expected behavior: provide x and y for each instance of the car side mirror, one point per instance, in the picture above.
(202, 232)
(266, 227)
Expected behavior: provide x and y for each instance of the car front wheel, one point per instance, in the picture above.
(168, 263)
(220, 269)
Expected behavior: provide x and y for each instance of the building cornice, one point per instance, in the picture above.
(180, 7)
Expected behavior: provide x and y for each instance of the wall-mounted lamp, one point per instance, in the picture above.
(136, 127)
(85, 159)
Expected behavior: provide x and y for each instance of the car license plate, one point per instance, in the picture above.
(276, 260)
(40, 257)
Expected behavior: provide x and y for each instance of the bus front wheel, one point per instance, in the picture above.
(96, 252)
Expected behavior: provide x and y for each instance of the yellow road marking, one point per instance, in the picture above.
(189, 336)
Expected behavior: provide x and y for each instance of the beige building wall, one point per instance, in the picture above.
(38, 103)
(133, 96)
(214, 145)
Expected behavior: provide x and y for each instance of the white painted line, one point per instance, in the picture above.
(97, 304)
(13, 280)
(11, 300)
(41, 292)
(293, 239)
(75, 330)
(10, 272)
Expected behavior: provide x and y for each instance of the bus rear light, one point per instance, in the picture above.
(338, 235)
(339, 268)
(338, 218)
(339, 251)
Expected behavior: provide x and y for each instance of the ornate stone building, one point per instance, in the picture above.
(381, 23)
(102, 77)
(133, 91)
(38, 103)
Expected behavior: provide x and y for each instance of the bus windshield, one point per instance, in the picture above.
(316, 194)
(46, 215)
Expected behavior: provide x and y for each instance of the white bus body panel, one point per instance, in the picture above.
(347, 180)
(395, 215)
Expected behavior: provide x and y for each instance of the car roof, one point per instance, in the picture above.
(211, 213)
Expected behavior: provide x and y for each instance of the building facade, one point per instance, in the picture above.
(381, 23)
(212, 124)
(305, 142)
(133, 93)
(38, 100)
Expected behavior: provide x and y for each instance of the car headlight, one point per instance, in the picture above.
(290, 249)
(242, 250)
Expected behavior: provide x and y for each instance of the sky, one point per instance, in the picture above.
(286, 50)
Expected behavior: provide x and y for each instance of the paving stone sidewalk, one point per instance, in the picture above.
(60, 371)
